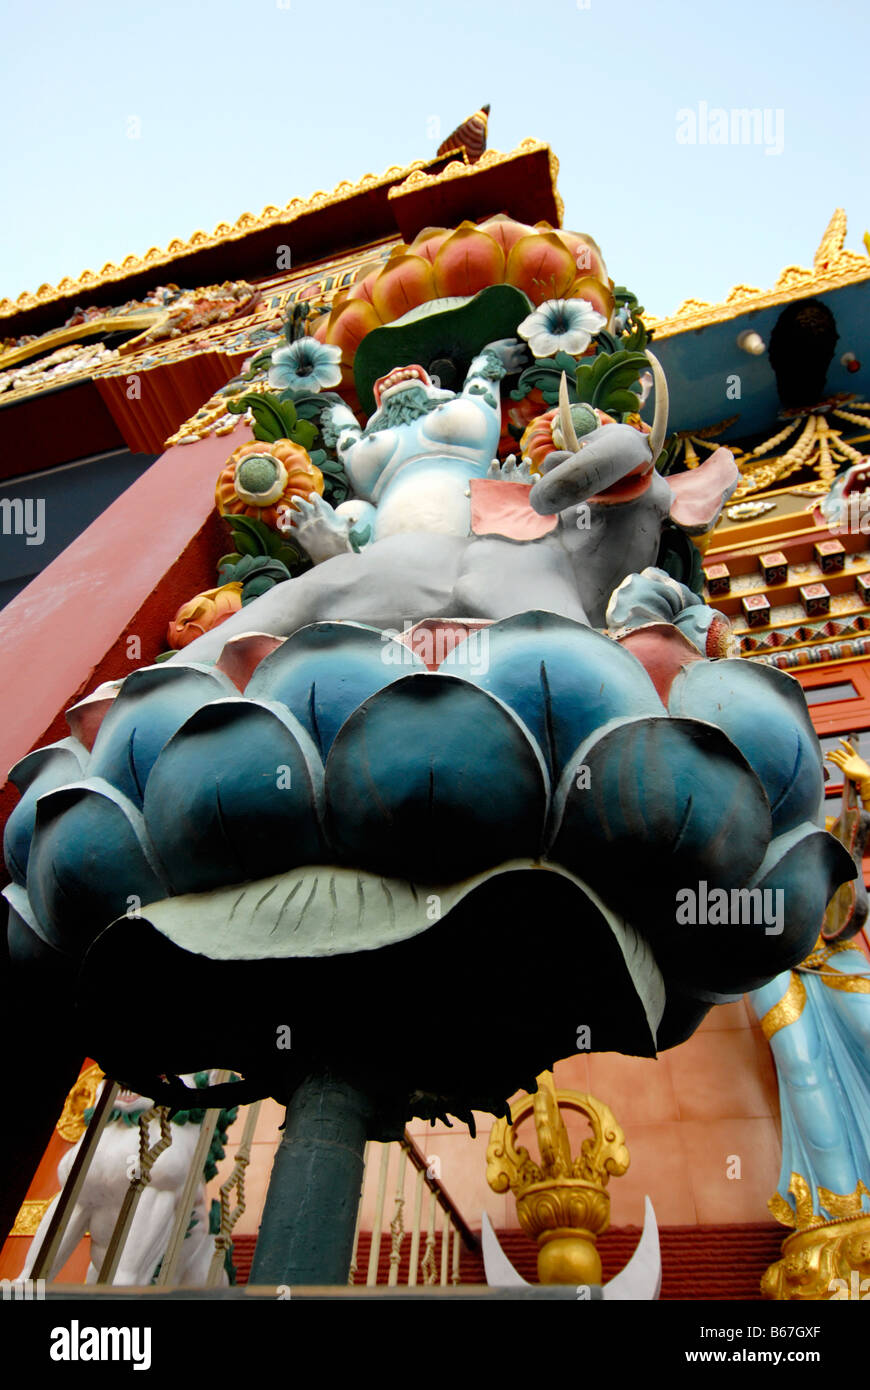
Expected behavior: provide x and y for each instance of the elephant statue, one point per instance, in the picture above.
(437, 528)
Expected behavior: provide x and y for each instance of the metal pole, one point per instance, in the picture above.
(187, 1199)
(148, 1156)
(306, 1235)
(73, 1185)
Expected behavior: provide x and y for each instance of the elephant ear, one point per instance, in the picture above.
(699, 495)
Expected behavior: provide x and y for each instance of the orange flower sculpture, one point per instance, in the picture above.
(542, 261)
(203, 612)
(260, 479)
(544, 435)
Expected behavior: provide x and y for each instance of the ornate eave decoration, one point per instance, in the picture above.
(271, 216)
(490, 159)
(244, 225)
(833, 267)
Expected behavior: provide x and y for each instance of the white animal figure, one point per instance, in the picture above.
(105, 1187)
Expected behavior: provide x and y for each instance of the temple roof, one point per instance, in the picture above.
(401, 200)
(834, 267)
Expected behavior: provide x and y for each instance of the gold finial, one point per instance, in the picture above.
(562, 1202)
(470, 136)
(832, 243)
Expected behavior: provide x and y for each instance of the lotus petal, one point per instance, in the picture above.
(428, 242)
(362, 289)
(564, 680)
(542, 266)
(26, 943)
(404, 282)
(595, 292)
(242, 655)
(505, 231)
(236, 794)
(85, 717)
(312, 946)
(38, 772)
(324, 671)
(153, 703)
(464, 786)
(468, 261)
(771, 932)
(647, 807)
(763, 711)
(349, 324)
(586, 252)
(90, 862)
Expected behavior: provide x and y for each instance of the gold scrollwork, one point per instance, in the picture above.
(82, 1097)
(830, 1261)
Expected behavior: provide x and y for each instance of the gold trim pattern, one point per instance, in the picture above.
(271, 216)
(841, 979)
(789, 1008)
(71, 1125)
(91, 328)
(489, 159)
(824, 1263)
(200, 241)
(840, 1206)
(30, 1213)
(833, 267)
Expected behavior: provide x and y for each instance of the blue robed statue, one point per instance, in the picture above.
(817, 1020)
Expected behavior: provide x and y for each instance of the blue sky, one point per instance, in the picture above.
(247, 102)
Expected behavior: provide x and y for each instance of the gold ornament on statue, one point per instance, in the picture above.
(83, 1096)
(562, 1202)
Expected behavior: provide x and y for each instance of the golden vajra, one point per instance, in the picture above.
(562, 1202)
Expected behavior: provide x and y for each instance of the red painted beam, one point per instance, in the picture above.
(125, 576)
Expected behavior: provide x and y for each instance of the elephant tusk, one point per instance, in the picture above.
(660, 419)
(569, 436)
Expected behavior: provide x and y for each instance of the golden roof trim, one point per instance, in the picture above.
(243, 226)
(833, 267)
(107, 323)
(489, 159)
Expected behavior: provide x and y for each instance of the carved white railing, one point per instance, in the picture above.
(438, 1225)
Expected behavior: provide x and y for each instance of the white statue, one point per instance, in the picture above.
(106, 1185)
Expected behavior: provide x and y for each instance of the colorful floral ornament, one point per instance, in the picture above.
(544, 435)
(561, 325)
(202, 613)
(544, 262)
(261, 480)
(305, 365)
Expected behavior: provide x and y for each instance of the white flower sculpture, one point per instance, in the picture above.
(305, 365)
(561, 325)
